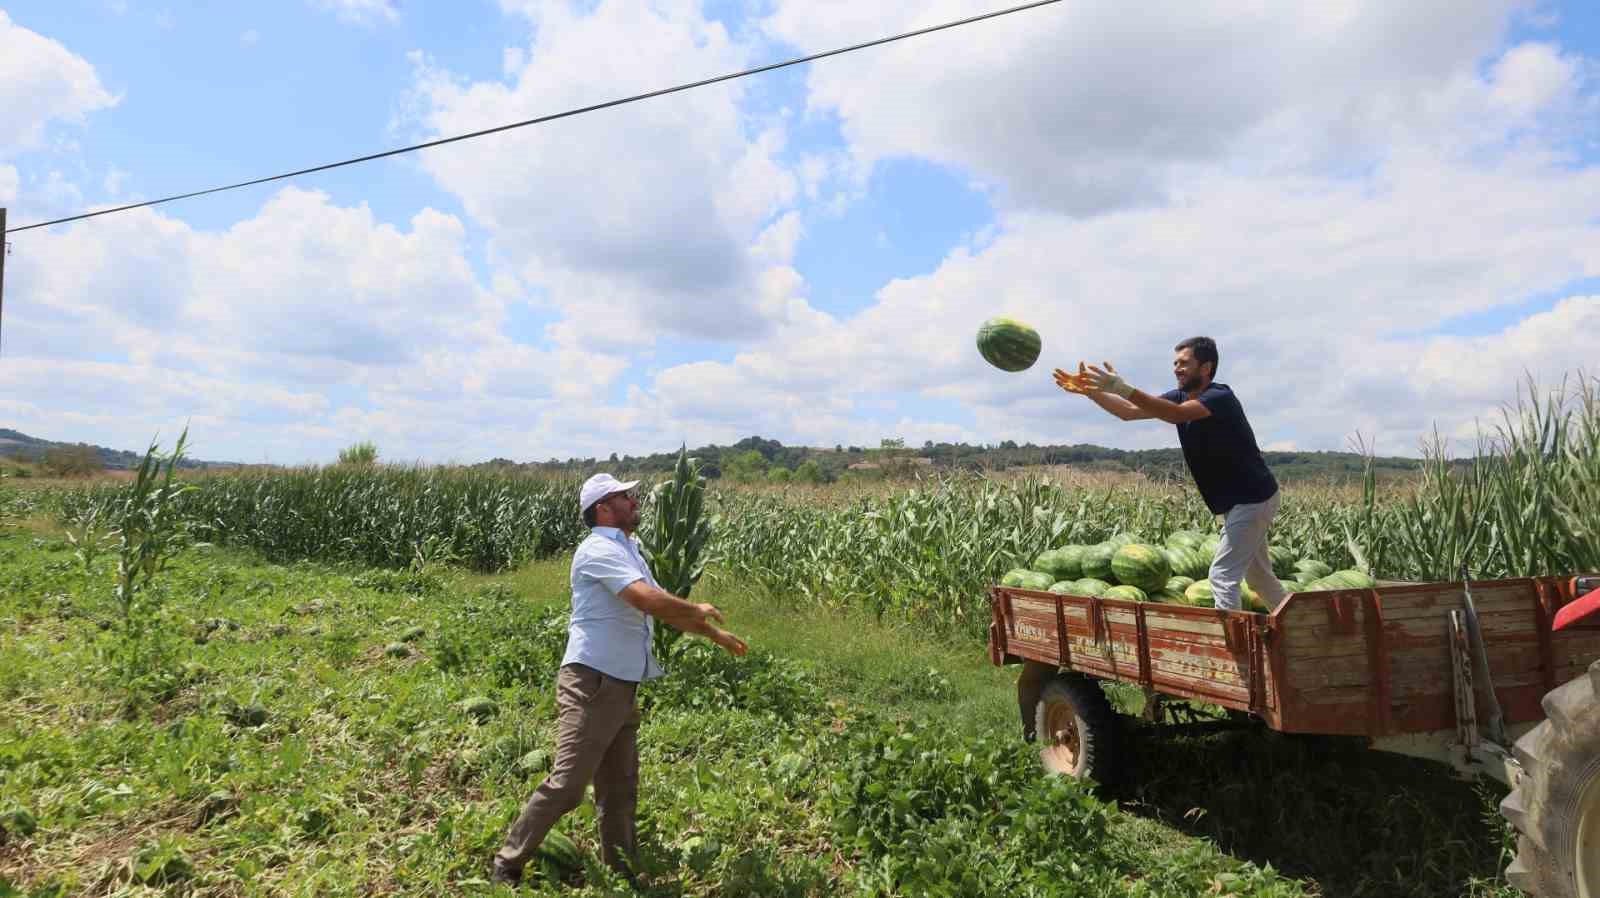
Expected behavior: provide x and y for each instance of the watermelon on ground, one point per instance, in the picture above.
(1091, 586)
(1008, 344)
(1097, 561)
(1125, 591)
(1142, 566)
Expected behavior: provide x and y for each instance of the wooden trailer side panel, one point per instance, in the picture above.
(1377, 662)
(1199, 654)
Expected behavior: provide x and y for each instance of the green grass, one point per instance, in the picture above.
(843, 756)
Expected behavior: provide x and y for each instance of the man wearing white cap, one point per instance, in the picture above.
(615, 602)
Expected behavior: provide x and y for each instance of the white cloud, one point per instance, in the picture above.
(1531, 78)
(1319, 187)
(1096, 105)
(42, 81)
(633, 222)
(362, 12)
(1316, 286)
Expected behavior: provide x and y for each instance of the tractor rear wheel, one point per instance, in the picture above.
(1556, 806)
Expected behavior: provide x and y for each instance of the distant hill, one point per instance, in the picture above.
(835, 462)
(20, 446)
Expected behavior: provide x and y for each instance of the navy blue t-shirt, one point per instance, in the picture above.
(1221, 452)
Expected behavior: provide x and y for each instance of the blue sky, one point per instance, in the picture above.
(1386, 213)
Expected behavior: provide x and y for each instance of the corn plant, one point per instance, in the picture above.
(676, 537)
(148, 533)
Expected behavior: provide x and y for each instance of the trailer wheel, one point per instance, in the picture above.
(1077, 729)
(1556, 806)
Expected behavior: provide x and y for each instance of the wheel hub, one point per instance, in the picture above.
(1062, 740)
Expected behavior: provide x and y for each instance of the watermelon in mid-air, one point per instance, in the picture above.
(1008, 344)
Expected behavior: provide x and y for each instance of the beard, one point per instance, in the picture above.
(1190, 384)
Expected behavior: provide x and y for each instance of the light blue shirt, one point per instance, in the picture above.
(607, 633)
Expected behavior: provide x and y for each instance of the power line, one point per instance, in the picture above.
(545, 118)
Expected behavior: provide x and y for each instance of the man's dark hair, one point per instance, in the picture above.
(588, 515)
(1204, 349)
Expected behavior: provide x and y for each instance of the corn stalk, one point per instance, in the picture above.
(148, 532)
(675, 539)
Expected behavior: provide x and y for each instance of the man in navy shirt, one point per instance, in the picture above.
(1221, 452)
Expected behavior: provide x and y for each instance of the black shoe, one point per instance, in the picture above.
(1029, 736)
(504, 876)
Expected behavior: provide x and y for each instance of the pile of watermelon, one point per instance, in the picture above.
(1176, 572)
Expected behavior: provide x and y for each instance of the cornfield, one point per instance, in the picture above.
(379, 516)
(1526, 502)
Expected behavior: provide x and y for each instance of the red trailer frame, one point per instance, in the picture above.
(1362, 662)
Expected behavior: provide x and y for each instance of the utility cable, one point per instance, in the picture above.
(546, 118)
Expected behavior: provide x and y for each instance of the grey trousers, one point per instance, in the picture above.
(596, 741)
(1242, 555)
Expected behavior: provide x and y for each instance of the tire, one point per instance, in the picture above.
(1077, 729)
(1556, 806)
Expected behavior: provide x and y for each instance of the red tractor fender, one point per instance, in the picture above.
(1584, 607)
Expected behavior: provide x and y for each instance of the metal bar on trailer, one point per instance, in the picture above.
(1461, 665)
(1480, 662)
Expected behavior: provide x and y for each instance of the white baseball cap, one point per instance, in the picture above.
(600, 486)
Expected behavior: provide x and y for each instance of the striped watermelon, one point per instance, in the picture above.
(1199, 594)
(1123, 539)
(1178, 583)
(1014, 576)
(1097, 561)
(1192, 563)
(1142, 566)
(1131, 593)
(1065, 587)
(1036, 580)
(1308, 569)
(1347, 579)
(1008, 344)
(1069, 561)
(1090, 586)
(1185, 539)
(1064, 563)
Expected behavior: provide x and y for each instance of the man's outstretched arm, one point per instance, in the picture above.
(690, 617)
(1113, 405)
(1106, 382)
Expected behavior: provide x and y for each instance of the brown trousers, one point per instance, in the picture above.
(596, 740)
